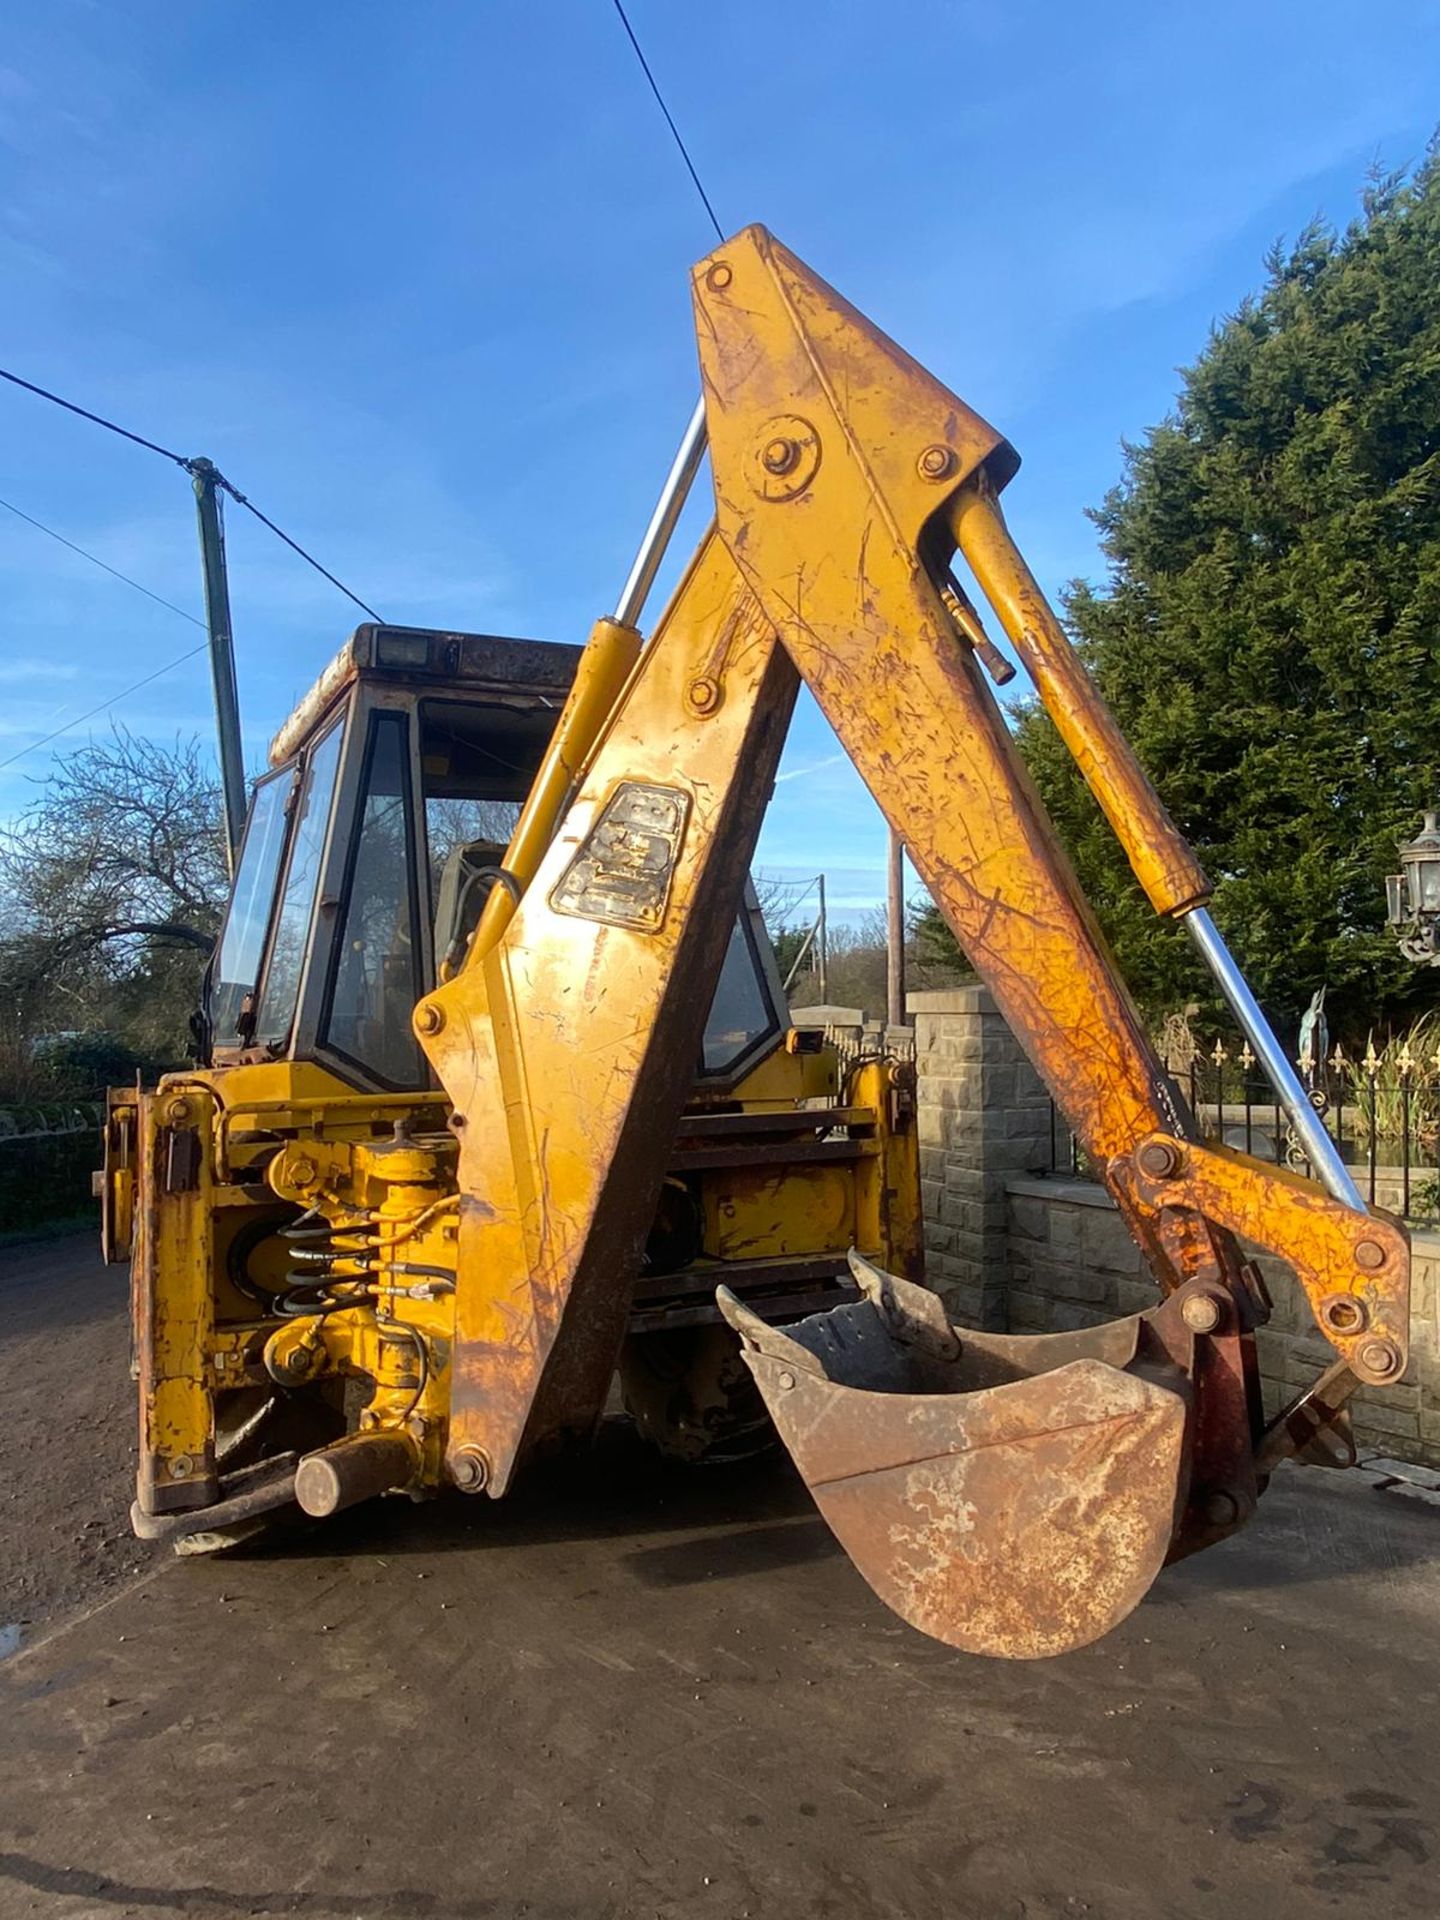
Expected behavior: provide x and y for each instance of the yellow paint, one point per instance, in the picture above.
(173, 1300)
(888, 1224)
(846, 478)
(605, 665)
(568, 1048)
(754, 1213)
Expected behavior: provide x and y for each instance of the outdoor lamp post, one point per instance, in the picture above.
(1413, 896)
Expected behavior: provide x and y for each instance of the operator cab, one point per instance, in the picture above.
(373, 842)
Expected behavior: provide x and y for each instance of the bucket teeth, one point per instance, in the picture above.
(914, 1315)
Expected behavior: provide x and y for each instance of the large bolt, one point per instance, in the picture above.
(181, 1467)
(1369, 1254)
(1342, 1313)
(704, 695)
(1159, 1159)
(935, 463)
(719, 277)
(470, 1470)
(428, 1017)
(1202, 1312)
(177, 1111)
(1221, 1508)
(1380, 1359)
(780, 456)
(298, 1360)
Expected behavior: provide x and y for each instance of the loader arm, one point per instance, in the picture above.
(1008, 1495)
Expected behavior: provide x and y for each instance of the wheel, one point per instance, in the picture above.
(691, 1396)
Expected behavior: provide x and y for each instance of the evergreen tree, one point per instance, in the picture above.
(1269, 635)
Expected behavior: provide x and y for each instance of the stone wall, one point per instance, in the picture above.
(983, 1115)
(1014, 1248)
(1071, 1262)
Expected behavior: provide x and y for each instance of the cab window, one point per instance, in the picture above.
(743, 1012)
(375, 968)
(478, 764)
(237, 970)
(297, 901)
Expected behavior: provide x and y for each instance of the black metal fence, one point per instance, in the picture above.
(47, 1155)
(1382, 1109)
(871, 1041)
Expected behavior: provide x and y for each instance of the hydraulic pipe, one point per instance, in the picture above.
(1163, 863)
(605, 665)
(895, 932)
(673, 496)
(1320, 1149)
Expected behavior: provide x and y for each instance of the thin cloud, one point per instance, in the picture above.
(803, 773)
(14, 671)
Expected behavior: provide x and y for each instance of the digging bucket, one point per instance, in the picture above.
(1012, 1495)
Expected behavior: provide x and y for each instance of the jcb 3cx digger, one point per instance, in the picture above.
(499, 1094)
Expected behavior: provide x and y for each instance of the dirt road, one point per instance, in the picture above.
(635, 1692)
(67, 1434)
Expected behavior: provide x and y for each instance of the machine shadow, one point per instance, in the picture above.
(748, 1517)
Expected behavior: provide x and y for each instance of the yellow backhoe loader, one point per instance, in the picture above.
(499, 1094)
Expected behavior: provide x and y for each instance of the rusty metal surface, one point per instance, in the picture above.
(172, 1299)
(568, 1049)
(849, 558)
(242, 1496)
(532, 672)
(840, 569)
(1353, 1267)
(1162, 861)
(353, 1469)
(1010, 1495)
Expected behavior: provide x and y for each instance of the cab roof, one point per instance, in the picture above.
(526, 672)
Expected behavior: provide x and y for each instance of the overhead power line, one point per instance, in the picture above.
(99, 419)
(669, 120)
(135, 687)
(180, 460)
(104, 565)
(295, 547)
(105, 705)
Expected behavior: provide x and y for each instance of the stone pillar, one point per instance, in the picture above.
(983, 1115)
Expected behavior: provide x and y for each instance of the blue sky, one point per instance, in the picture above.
(414, 275)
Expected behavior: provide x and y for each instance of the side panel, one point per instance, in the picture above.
(172, 1300)
(569, 1049)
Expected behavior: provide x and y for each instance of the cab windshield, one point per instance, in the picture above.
(243, 1006)
(237, 970)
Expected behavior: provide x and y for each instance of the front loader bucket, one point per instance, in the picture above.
(1010, 1495)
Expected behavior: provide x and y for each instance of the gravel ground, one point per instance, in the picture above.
(629, 1690)
(67, 1438)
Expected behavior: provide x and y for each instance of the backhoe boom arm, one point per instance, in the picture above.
(847, 483)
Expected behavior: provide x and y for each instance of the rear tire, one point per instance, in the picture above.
(691, 1396)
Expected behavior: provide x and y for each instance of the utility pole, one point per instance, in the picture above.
(895, 934)
(822, 948)
(222, 655)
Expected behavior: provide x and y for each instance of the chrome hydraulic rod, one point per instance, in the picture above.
(1320, 1149)
(662, 522)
